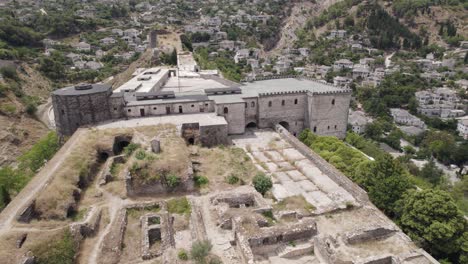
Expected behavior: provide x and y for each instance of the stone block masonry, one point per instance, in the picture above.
(325, 167)
(295, 103)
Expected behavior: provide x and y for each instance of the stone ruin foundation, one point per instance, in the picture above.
(156, 228)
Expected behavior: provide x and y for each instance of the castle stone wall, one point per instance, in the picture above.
(328, 113)
(235, 116)
(73, 111)
(213, 135)
(272, 110)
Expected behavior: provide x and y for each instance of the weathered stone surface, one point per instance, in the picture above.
(369, 234)
(155, 146)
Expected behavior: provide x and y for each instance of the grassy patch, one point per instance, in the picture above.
(154, 221)
(179, 206)
(137, 212)
(58, 250)
(8, 108)
(237, 166)
(78, 216)
(128, 150)
(270, 218)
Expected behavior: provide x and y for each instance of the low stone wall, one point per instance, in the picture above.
(379, 260)
(113, 242)
(27, 214)
(90, 227)
(328, 169)
(325, 249)
(106, 175)
(370, 234)
(197, 226)
(242, 241)
(304, 229)
(159, 187)
(245, 195)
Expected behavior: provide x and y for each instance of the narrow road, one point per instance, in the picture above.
(37, 184)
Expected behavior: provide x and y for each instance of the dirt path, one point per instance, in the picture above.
(37, 183)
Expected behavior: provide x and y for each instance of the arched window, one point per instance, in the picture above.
(315, 129)
(295, 101)
(283, 102)
(335, 126)
(180, 109)
(333, 102)
(328, 127)
(269, 104)
(154, 108)
(252, 104)
(226, 110)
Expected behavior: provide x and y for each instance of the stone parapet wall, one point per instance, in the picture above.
(328, 169)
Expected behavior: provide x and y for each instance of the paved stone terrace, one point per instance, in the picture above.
(291, 172)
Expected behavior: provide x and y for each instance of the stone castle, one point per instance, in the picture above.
(295, 103)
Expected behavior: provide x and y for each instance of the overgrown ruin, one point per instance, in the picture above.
(133, 195)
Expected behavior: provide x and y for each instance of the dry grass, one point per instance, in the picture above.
(220, 162)
(294, 203)
(54, 201)
(173, 160)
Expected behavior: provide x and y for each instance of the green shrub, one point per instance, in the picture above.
(41, 152)
(201, 180)
(183, 255)
(232, 179)
(172, 181)
(140, 154)
(128, 150)
(262, 183)
(200, 250)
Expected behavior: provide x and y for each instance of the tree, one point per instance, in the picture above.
(431, 218)
(373, 131)
(262, 183)
(441, 144)
(385, 181)
(431, 173)
(460, 156)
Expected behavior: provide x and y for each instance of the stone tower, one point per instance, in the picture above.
(80, 105)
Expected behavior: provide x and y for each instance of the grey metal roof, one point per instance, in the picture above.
(286, 85)
(95, 88)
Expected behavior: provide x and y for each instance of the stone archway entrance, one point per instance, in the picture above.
(251, 125)
(284, 124)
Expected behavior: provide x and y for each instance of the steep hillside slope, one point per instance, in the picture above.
(301, 12)
(19, 130)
